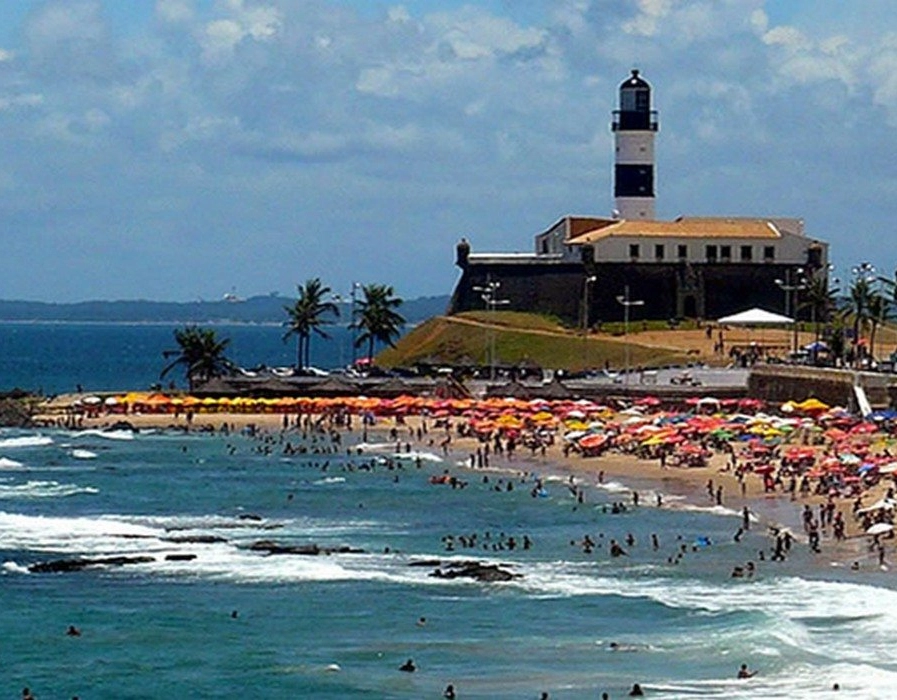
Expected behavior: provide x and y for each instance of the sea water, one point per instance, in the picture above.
(233, 622)
(54, 358)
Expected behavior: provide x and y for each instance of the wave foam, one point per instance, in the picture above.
(106, 434)
(25, 441)
(43, 489)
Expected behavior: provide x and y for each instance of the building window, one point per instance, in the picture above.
(633, 251)
(658, 251)
(747, 253)
(711, 253)
(682, 252)
(725, 252)
(769, 253)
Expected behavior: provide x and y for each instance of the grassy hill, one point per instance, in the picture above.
(467, 337)
(518, 337)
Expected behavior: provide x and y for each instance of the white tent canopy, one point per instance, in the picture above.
(755, 317)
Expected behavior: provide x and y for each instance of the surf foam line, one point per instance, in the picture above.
(105, 434)
(32, 490)
(23, 441)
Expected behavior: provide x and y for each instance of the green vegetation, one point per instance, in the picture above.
(16, 408)
(306, 316)
(376, 317)
(519, 337)
(201, 353)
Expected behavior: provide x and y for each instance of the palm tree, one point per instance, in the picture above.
(861, 294)
(820, 299)
(879, 311)
(201, 353)
(306, 316)
(377, 318)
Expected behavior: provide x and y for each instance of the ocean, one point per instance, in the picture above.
(208, 616)
(54, 358)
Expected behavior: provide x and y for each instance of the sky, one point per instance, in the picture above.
(182, 149)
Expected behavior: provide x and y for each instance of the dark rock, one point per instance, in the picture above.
(69, 565)
(195, 539)
(271, 547)
(249, 516)
(426, 562)
(488, 573)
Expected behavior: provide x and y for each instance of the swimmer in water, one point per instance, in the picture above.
(743, 672)
(73, 631)
(408, 666)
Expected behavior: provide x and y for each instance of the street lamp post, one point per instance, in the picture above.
(864, 274)
(338, 300)
(586, 298)
(792, 290)
(627, 302)
(489, 295)
(355, 287)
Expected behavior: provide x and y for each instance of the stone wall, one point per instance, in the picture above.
(668, 290)
(782, 383)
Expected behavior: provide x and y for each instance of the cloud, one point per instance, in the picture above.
(649, 16)
(311, 126)
(175, 11)
(220, 37)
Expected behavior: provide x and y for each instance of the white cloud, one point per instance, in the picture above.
(759, 21)
(27, 100)
(790, 38)
(398, 15)
(175, 11)
(377, 81)
(220, 37)
(650, 14)
(473, 34)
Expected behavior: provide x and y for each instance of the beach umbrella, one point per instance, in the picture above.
(880, 529)
(812, 405)
(880, 504)
(594, 440)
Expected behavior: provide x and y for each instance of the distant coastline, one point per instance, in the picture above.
(259, 310)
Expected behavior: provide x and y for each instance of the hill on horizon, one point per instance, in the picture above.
(257, 309)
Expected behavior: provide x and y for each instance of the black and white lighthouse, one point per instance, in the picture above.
(634, 126)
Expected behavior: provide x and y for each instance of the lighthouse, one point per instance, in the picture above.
(634, 126)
